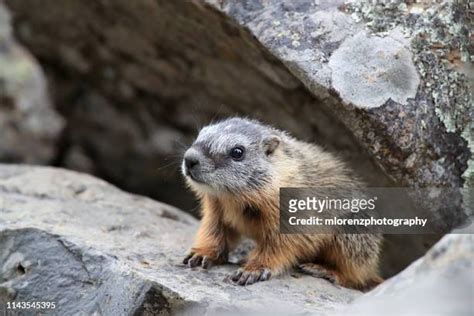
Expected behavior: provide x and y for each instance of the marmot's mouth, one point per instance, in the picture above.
(193, 177)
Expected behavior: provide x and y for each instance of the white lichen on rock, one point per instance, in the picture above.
(443, 56)
(367, 71)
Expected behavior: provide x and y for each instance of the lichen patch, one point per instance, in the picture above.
(367, 71)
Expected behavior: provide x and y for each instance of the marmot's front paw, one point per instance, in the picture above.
(247, 276)
(195, 259)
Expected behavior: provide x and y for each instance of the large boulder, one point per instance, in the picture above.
(136, 80)
(385, 79)
(29, 125)
(440, 283)
(397, 75)
(91, 248)
(385, 85)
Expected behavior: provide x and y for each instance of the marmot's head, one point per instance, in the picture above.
(231, 156)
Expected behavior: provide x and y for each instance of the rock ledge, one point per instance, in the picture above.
(91, 248)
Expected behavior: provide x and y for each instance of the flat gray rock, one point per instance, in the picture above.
(92, 248)
(440, 283)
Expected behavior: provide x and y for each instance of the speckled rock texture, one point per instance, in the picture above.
(94, 249)
(29, 125)
(396, 74)
(440, 283)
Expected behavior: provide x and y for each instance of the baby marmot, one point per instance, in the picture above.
(236, 168)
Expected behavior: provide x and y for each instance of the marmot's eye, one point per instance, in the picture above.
(237, 153)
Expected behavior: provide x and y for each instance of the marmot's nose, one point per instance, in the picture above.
(191, 160)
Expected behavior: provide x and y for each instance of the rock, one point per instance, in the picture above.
(175, 67)
(367, 71)
(91, 248)
(29, 126)
(363, 79)
(389, 73)
(158, 70)
(441, 283)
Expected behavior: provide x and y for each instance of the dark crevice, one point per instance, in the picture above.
(20, 269)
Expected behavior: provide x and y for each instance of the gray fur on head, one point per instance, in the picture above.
(215, 170)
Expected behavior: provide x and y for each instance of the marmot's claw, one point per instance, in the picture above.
(235, 276)
(206, 262)
(193, 260)
(186, 260)
(244, 277)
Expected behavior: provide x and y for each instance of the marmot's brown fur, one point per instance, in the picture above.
(236, 167)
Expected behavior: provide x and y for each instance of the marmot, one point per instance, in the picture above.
(236, 168)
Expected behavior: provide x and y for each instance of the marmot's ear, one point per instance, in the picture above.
(270, 143)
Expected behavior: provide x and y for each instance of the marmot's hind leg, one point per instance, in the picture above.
(339, 278)
(318, 271)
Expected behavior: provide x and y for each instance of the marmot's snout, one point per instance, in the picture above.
(193, 161)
